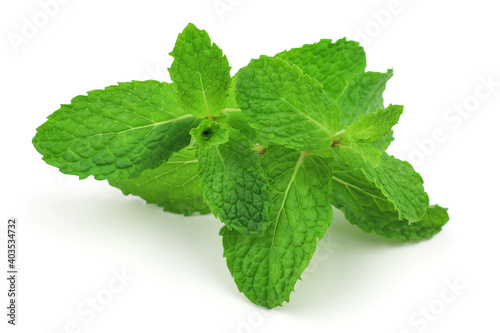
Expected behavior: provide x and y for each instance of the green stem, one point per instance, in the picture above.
(339, 133)
(230, 110)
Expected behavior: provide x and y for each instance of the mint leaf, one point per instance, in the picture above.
(332, 64)
(374, 126)
(285, 105)
(311, 116)
(236, 119)
(340, 68)
(396, 179)
(266, 268)
(174, 185)
(233, 116)
(353, 145)
(365, 206)
(233, 184)
(210, 133)
(384, 143)
(358, 154)
(231, 102)
(115, 133)
(363, 95)
(200, 73)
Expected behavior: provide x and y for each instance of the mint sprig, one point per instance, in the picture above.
(268, 151)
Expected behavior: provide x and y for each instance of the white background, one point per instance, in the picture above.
(74, 236)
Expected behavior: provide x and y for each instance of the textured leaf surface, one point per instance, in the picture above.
(285, 105)
(117, 132)
(200, 72)
(373, 126)
(266, 268)
(231, 102)
(362, 96)
(332, 64)
(396, 179)
(210, 133)
(174, 185)
(384, 143)
(365, 206)
(358, 154)
(234, 185)
(234, 117)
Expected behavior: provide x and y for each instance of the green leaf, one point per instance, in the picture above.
(174, 185)
(396, 179)
(340, 67)
(236, 119)
(200, 73)
(362, 96)
(117, 132)
(231, 102)
(358, 154)
(266, 268)
(233, 116)
(210, 133)
(373, 126)
(234, 185)
(286, 106)
(332, 64)
(384, 142)
(365, 206)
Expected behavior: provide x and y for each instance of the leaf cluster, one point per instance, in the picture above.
(268, 151)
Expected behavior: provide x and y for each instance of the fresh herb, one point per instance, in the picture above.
(268, 151)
